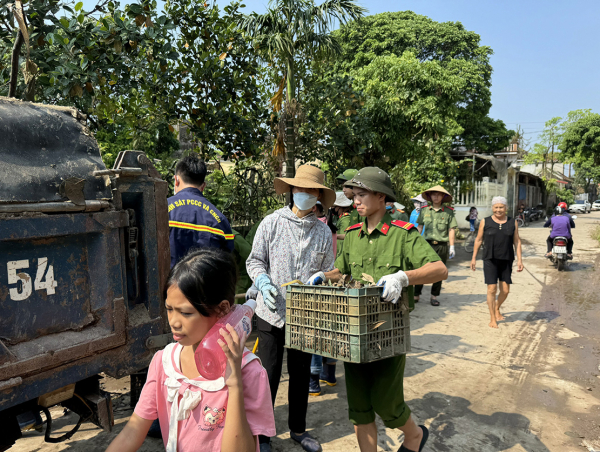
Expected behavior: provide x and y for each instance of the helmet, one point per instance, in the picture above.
(558, 210)
(562, 205)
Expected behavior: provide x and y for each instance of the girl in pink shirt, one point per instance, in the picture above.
(195, 414)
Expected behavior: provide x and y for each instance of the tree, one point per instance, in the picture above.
(581, 138)
(546, 150)
(80, 58)
(587, 175)
(455, 51)
(288, 35)
(215, 84)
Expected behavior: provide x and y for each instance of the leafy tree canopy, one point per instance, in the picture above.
(456, 51)
(581, 137)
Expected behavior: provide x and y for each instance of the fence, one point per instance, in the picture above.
(480, 197)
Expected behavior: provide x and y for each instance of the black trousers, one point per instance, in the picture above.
(550, 244)
(442, 250)
(270, 351)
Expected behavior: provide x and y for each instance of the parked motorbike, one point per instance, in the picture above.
(531, 214)
(559, 253)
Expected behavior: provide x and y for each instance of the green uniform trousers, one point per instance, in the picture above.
(442, 250)
(377, 387)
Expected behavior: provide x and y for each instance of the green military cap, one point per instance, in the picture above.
(373, 179)
(347, 175)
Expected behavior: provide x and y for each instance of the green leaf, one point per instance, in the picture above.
(78, 6)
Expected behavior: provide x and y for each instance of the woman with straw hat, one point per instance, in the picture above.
(439, 223)
(290, 244)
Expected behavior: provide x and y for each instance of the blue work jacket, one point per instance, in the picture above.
(195, 223)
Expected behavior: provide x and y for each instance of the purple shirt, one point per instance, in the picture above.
(561, 227)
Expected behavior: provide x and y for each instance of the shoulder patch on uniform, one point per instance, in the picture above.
(448, 207)
(356, 226)
(403, 224)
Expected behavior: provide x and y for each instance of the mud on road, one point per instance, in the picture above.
(532, 385)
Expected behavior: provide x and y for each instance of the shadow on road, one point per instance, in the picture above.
(454, 426)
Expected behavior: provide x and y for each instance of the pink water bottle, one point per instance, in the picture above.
(211, 361)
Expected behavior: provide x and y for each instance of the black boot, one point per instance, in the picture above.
(314, 388)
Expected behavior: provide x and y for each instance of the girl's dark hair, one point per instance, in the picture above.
(205, 276)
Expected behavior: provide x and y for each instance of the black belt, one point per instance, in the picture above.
(435, 242)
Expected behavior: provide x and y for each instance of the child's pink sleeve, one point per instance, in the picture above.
(257, 400)
(147, 406)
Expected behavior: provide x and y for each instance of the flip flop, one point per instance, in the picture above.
(423, 441)
(435, 302)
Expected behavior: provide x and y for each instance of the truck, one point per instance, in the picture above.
(84, 257)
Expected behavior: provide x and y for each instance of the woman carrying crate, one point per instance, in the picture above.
(395, 255)
(290, 244)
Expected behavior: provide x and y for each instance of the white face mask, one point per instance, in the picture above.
(304, 201)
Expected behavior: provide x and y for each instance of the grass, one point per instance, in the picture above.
(596, 233)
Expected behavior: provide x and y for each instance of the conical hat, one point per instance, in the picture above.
(438, 188)
(307, 176)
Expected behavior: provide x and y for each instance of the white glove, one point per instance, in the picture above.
(452, 252)
(252, 293)
(393, 285)
(315, 279)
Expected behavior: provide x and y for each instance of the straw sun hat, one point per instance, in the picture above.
(307, 176)
(440, 189)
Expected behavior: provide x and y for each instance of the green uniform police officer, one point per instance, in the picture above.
(343, 179)
(396, 256)
(440, 224)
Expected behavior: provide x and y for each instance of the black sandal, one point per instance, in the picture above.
(416, 300)
(423, 441)
(434, 302)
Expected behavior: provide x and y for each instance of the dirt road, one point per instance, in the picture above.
(532, 385)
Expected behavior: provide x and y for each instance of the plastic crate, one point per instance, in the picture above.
(352, 325)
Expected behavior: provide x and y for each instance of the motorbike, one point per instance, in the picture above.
(531, 214)
(559, 253)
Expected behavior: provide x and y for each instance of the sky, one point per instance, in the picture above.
(545, 52)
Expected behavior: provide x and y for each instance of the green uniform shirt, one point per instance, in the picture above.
(241, 251)
(342, 224)
(355, 218)
(399, 215)
(388, 249)
(437, 223)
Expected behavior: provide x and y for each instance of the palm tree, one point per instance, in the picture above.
(293, 28)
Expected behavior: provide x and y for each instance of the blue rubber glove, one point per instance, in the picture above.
(252, 293)
(315, 279)
(393, 285)
(268, 290)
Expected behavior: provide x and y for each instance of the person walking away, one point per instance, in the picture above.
(472, 217)
(501, 241)
(194, 222)
(396, 256)
(439, 223)
(290, 244)
(224, 415)
(418, 203)
(342, 206)
(561, 227)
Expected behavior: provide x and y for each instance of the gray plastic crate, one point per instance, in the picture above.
(352, 325)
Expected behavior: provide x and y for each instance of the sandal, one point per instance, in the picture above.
(416, 300)
(423, 441)
(434, 302)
